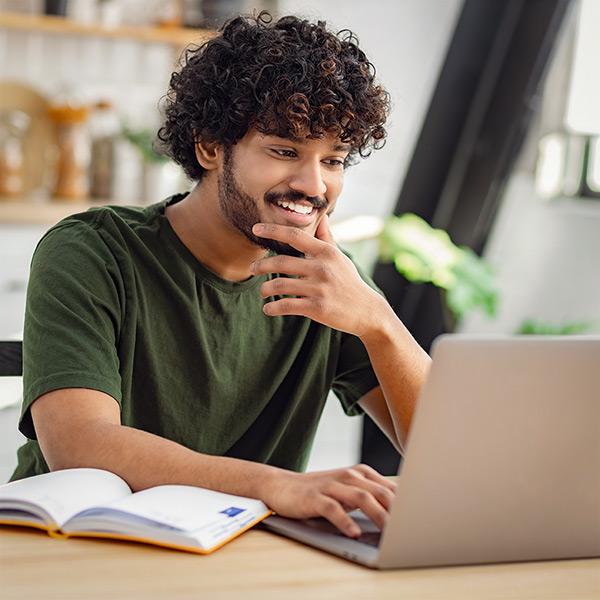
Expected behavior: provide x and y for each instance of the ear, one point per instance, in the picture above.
(208, 154)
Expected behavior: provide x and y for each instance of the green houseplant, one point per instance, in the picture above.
(534, 327)
(160, 175)
(144, 141)
(423, 254)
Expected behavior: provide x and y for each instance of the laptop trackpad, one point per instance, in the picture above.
(371, 534)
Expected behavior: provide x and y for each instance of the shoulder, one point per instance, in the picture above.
(100, 230)
(71, 237)
(102, 218)
(72, 258)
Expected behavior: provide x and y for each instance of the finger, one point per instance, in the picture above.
(286, 286)
(373, 475)
(383, 494)
(359, 498)
(323, 231)
(293, 236)
(332, 510)
(301, 307)
(289, 265)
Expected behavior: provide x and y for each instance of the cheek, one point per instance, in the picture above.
(261, 180)
(253, 187)
(334, 187)
(252, 172)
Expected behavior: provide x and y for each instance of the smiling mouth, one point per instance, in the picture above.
(294, 215)
(298, 208)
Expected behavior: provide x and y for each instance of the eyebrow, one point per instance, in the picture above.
(342, 147)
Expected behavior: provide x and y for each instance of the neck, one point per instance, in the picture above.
(199, 224)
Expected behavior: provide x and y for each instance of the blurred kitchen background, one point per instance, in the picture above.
(480, 215)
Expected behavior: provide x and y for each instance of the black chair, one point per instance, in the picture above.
(11, 358)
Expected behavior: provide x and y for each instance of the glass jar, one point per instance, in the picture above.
(14, 125)
(73, 156)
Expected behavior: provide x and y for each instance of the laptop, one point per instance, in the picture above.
(502, 463)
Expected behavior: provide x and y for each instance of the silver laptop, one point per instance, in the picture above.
(502, 463)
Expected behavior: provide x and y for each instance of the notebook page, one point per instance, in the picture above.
(190, 508)
(63, 494)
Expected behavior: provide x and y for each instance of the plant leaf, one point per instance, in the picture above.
(424, 254)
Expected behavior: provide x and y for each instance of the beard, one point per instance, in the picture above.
(241, 209)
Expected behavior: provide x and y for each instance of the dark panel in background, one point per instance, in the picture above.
(477, 119)
(11, 359)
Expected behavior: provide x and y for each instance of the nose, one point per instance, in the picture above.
(308, 179)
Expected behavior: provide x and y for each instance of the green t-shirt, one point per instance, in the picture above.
(117, 303)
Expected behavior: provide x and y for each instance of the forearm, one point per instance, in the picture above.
(400, 364)
(145, 460)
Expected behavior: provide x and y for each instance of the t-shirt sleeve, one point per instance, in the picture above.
(354, 374)
(72, 317)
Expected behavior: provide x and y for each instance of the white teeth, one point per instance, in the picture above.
(299, 208)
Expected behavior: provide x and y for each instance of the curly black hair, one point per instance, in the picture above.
(290, 78)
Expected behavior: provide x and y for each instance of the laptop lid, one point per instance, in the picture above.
(503, 459)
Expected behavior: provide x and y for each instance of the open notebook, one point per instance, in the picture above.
(97, 503)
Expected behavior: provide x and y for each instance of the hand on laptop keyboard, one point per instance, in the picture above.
(370, 535)
(331, 494)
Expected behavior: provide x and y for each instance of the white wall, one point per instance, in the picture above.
(546, 254)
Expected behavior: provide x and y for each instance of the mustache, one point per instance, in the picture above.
(294, 196)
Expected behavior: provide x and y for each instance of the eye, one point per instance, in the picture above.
(335, 162)
(283, 153)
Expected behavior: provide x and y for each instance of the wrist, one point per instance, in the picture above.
(268, 482)
(381, 321)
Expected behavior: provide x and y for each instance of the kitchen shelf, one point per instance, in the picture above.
(174, 36)
(42, 213)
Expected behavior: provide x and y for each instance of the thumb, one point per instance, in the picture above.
(323, 232)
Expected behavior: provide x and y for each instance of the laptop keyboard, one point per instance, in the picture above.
(371, 538)
(370, 535)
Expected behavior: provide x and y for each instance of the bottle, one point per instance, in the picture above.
(169, 14)
(104, 130)
(73, 156)
(14, 125)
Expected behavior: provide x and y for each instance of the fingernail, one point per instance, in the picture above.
(251, 267)
(354, 531)
(257, 228)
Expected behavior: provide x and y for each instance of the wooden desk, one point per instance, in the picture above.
(262, 565)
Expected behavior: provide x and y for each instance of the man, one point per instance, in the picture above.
(163, 344)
